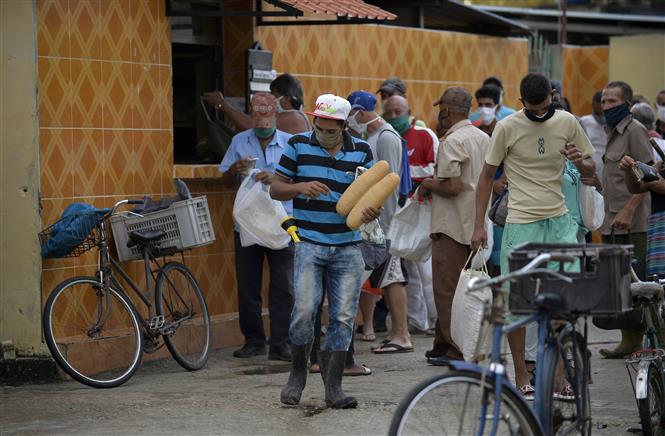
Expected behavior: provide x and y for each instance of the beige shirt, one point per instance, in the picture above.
(631, 138)
(533, 164)
(461, 154)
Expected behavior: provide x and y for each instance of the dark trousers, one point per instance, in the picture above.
(249, 275)
(448, 259)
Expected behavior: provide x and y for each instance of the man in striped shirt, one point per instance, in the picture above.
(315, 169)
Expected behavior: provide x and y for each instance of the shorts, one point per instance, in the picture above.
(562, 229)
(390, 272)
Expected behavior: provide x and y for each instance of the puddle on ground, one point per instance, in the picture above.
(268, 369)
(310, 411)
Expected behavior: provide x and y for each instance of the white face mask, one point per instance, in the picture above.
(360, 128)
(661, 112)
(487, 115)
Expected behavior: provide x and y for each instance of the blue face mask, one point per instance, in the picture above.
(614, 115)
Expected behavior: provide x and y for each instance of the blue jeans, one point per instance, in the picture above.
(342, 268)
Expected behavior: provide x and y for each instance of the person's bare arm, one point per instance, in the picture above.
(292, 122)
(450, 187)
(239, 119)
(483, 192)
(284, 189)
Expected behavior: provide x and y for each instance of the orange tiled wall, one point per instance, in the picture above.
(585, 71)
(105, 112)
(344, 58)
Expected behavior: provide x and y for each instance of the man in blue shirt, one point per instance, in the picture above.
(315, 170)
(502, 111)
(261, 145)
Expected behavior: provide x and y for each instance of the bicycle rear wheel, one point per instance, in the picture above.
(652, 408)
(451, 404)
(187, 323)
(92, 333)
(578, 371)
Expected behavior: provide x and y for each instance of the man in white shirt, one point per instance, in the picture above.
(594, 126)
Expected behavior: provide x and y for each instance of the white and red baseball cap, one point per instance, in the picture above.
(332, 107)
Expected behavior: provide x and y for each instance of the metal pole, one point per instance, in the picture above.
(564, 21)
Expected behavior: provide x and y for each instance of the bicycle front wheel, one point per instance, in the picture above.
(451, 404)
(93, 333)
(651, 408)
(187, 322)
(577, 371)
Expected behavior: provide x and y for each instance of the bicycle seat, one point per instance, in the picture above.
(550, 302)
(646, 290)
(136, 238)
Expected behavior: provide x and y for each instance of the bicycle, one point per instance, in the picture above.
(645, 367)
(96, 333)
(464, 399)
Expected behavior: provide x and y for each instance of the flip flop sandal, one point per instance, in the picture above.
(391, 348)
(528, 392)
(370, 337)
(565, 394)
(314, 368)
(356, 371)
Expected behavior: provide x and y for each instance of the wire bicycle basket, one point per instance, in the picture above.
(71, 235)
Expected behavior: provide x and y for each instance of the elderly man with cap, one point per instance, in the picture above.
(453, 187)
(422, 145)
(395, 86)
(262, 146)
(386, 145)
(315, 170)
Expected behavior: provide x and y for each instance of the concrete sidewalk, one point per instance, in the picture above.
(241, 397)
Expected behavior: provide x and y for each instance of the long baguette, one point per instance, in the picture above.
(360, 186)
(375, 197)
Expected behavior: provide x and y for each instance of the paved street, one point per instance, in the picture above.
(233, 396)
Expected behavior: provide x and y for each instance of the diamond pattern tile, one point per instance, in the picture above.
(55, 92)
(117, 30)
(145, 43)
(585, 71)
(87, 166)
(87, 101)
(147, 108)
(118, 95)
(86, 28)
(445, 59)
(56, 157)
(54, 28)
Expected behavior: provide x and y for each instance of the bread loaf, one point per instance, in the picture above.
(375, 197)
(360, 187)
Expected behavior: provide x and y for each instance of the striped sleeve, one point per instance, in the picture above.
(288, 163)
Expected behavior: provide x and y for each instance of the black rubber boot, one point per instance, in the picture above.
(293, 390)
(332, 369)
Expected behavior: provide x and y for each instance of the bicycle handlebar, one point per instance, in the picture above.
(529, 269)
(120, 203)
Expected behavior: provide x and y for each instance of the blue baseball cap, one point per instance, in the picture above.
(362, 100)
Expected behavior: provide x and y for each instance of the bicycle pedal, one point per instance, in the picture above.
(157, 322)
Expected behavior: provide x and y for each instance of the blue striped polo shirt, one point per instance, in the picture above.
(304, 160)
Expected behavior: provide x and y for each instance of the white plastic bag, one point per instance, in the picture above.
(410, 229)
(258, 216)
(466, 321)
(592, 207)
(482, 256)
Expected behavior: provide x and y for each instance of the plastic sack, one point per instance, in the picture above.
(467, 329)
(592, 207)
(409, 232)
(76, 222)
(483, 255)
(258, 216)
